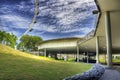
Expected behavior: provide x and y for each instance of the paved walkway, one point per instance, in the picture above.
(110, 75)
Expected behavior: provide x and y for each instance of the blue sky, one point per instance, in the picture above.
(57, 18)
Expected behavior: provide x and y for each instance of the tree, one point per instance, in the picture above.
(28, 42)
(8, 39)
(12, 38)
(2, 36)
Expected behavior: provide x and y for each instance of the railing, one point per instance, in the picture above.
(87, 37)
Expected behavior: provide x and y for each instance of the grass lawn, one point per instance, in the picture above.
(16, 65)
(114, 60)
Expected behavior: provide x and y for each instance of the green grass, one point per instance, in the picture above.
(71, 59)
(16, 65)
(114, 60)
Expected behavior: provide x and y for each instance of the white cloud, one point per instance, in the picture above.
(44, 28)
(83, 30)
(65, 11)
(80, 35)
(66, 15)
(17, 21)
(5, 9)
(23, 6)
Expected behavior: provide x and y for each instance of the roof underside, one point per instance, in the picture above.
(114, 8)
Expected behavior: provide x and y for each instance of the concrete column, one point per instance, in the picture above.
(65, 57)
(105, 58)
(97, 49)
(108, 39)
(60, 55)
(74, 55)
(55, 56)
(45, 52)
(114, 57)
(84, 56)
(87, 58)
(77, 53)
(38, 52)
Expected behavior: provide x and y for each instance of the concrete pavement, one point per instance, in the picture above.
(110, 74)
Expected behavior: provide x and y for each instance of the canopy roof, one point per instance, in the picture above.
(114, 8)
(64, 45)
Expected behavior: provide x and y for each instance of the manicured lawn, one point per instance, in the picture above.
(114, 60)
(16, 65)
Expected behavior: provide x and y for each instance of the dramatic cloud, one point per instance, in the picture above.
(57, 18)
(67, 15)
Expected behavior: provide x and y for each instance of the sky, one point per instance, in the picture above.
(56, 19)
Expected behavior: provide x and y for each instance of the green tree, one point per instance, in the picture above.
(2, 33)
(8, 39)
(12, 38)
(28, 42)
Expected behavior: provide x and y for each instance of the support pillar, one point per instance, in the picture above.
(105, 59)
(45, 52)
(55, 56)
(77, 53)
(60, 55)
(97, 49)
(108, 39)
(74, 55)
(39, 52)
(65, 57)
(87, 58)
